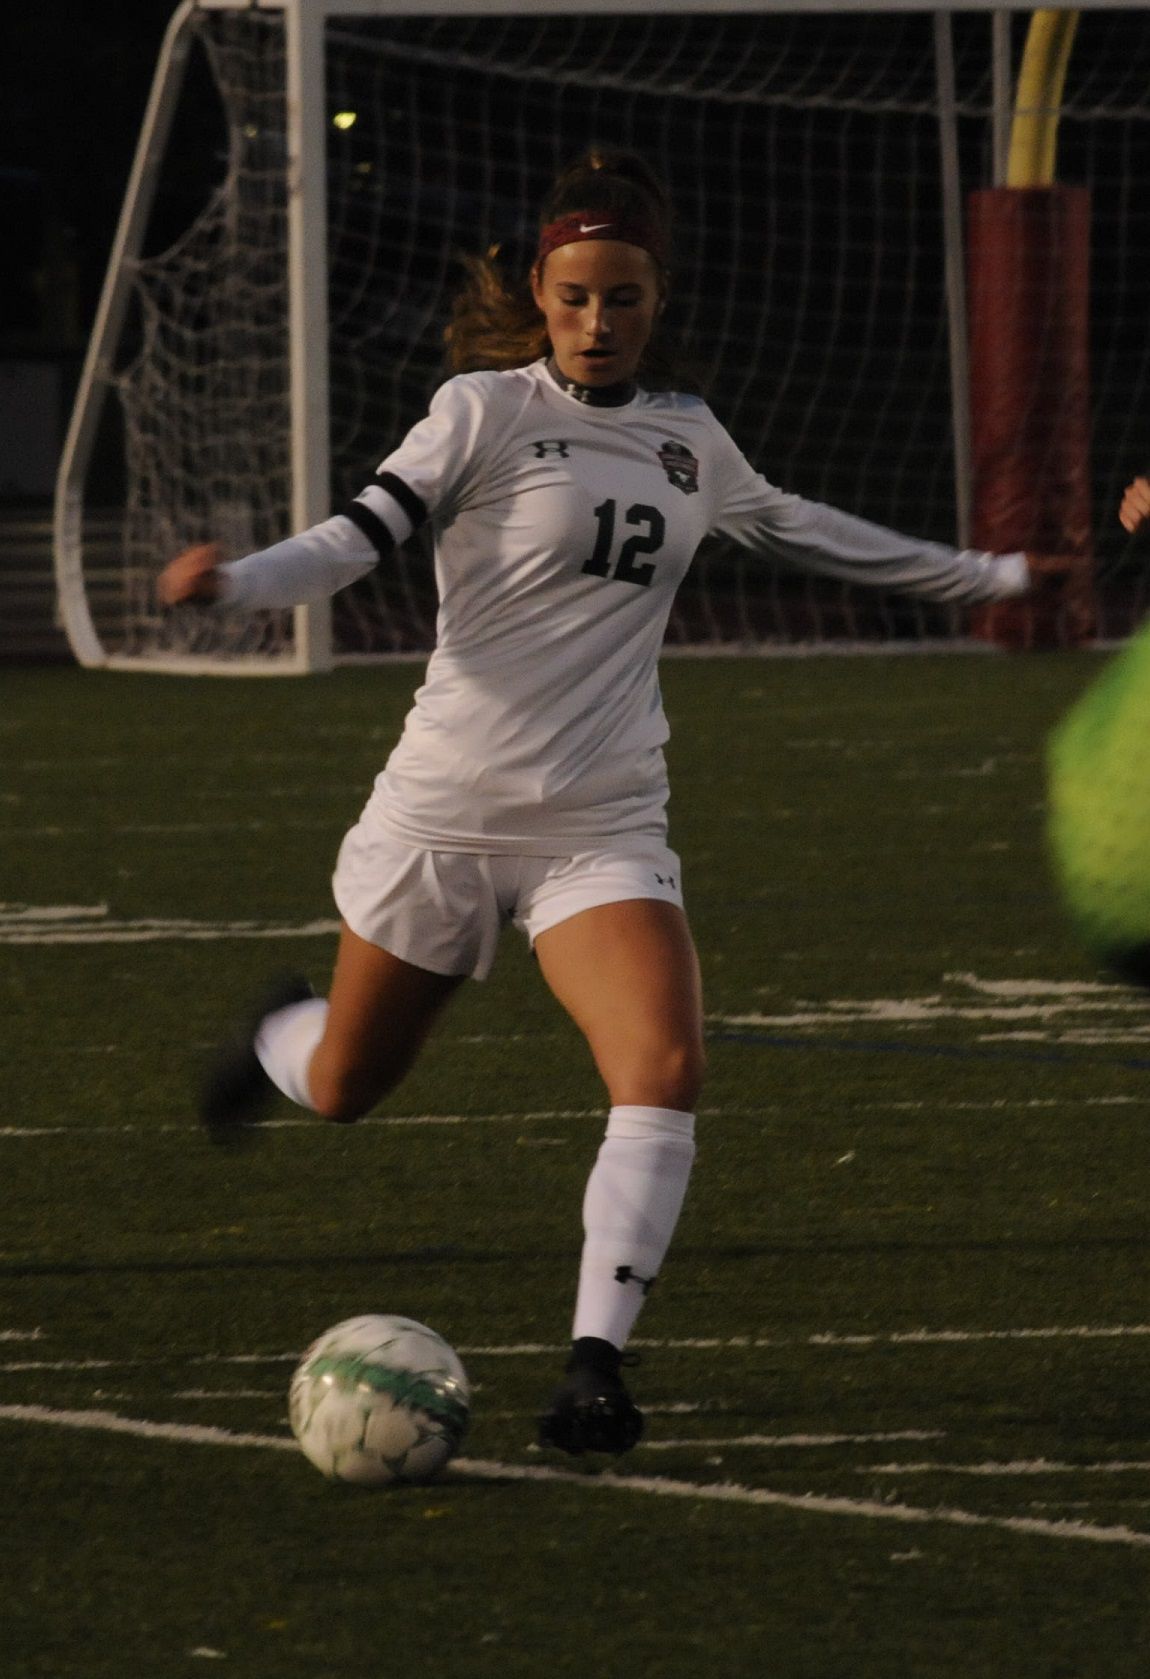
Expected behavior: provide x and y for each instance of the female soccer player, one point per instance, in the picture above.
(566, 501)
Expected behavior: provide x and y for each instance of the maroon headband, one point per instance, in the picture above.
(601, 224)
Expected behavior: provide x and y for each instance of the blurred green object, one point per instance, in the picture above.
(1098, 764)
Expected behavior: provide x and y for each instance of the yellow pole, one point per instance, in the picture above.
(1034, 131)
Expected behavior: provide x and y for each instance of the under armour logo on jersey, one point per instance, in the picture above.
(624, 1274)
(551, 447)
(681, 467)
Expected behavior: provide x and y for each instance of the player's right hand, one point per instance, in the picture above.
(1135, 508)
(192, 576)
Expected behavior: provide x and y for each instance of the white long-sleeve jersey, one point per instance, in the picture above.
(562, 531)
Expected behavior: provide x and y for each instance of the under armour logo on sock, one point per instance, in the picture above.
(624, 1274)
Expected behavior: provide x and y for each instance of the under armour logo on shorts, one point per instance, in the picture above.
(551, 447)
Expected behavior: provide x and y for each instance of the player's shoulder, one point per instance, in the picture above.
(677, 402)
(692, 417)
(684, 406)
(483, 397)
(467, 389)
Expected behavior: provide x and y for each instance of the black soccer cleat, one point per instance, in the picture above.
(235, 1091)
(591, 1410)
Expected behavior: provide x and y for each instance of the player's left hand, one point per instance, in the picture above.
(1135, 508)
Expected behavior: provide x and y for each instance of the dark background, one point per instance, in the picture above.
(74, 80)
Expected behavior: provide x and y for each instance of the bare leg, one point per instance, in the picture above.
(338, 1055)
(628, 976)
(380, 1011)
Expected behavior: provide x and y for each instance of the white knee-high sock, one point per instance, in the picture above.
(630, 1210)
(285, 1044)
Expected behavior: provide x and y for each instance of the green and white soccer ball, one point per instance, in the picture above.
(1098, 783)
(379, 1399)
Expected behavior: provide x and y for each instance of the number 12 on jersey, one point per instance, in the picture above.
(648, 539)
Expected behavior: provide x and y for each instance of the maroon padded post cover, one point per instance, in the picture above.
(1028, 290)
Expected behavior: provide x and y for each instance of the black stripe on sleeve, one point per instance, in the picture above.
(372, 527)
(405, 496)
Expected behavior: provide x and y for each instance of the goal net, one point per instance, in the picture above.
(803, 153)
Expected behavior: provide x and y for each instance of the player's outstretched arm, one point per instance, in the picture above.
(193, 575)
(1135, 508)
(299, 570)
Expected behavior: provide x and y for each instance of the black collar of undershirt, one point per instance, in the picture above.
(594, 396)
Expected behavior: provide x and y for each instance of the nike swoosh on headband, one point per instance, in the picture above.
(630, 229)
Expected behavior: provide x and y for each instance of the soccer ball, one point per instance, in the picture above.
(1098, 783)
(379, 1399)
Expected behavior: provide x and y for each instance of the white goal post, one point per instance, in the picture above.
(280, 342)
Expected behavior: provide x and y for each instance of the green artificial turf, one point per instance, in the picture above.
(919, 1212)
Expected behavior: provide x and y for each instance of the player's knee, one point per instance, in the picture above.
(685, 1071)
(667, 1076)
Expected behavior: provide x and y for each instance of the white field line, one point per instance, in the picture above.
(554, 1349)
(16, 915)
(309, 1123)
(1034, 1466)
(1031, 987)
(108, 1422)
(995, 1104)
(483, 1469)
(967, 999)
(152, 932)
(72, 1366)
(782, 1442)
(919, 1011)
(947, 1337)
(225, 1393)
(94, 924)
(56, 830)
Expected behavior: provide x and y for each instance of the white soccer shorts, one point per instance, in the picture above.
(445, 910)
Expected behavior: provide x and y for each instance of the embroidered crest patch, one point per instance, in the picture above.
(681, 467)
